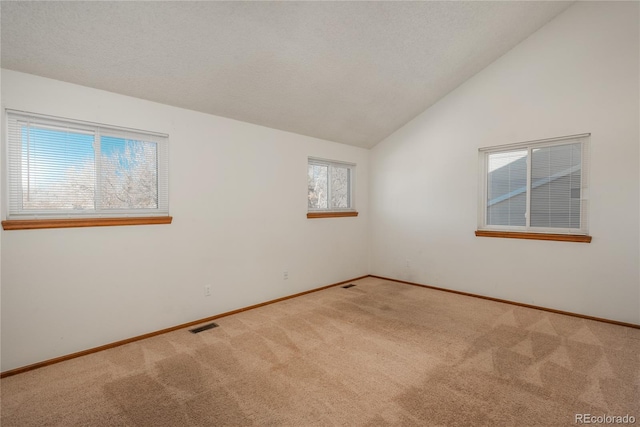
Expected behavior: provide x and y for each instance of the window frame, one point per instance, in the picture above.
(329, 211)
(20, 218)
(527, 231)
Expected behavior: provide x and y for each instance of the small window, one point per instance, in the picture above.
(535, 187)
(62, 169)
(330, 186)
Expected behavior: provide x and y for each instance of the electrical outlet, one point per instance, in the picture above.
(207, 290)
(285, 275)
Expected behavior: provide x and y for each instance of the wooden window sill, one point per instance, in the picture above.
(535, 236)
(31, 224)
(331, 214)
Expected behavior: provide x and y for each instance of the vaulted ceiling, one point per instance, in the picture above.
(350, 72)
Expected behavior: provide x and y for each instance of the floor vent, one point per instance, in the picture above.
(203, 328)
(350, 285)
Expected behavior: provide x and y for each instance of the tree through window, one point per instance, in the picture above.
(64, 169)
(330, 185)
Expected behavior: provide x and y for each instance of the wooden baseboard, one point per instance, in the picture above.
(520, 304)
(251, 307)
(160, 332)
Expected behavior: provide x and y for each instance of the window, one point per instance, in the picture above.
(535, 187)
(330, 186)
(62, 169)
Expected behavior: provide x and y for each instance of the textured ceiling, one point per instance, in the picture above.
(350, 72)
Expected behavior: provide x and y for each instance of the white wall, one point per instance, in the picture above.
(238, 199)
(239, 222)
(577, 74)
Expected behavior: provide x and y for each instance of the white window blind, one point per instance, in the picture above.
(59, 168)
(538, 186)
(506, 189)
(330, 185)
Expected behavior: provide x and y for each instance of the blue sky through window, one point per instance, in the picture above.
(59, 170)
(47, 153)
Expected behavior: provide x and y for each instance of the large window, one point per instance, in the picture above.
(535, 187)
(62, 169)
(330, 188)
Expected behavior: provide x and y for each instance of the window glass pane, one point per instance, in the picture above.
(60, 169)
(555, 186)
(129, 171)
(340, 184)
(318, 186)
(506, 188)
(57, 168)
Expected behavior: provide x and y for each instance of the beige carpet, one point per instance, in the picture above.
(380, 353)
